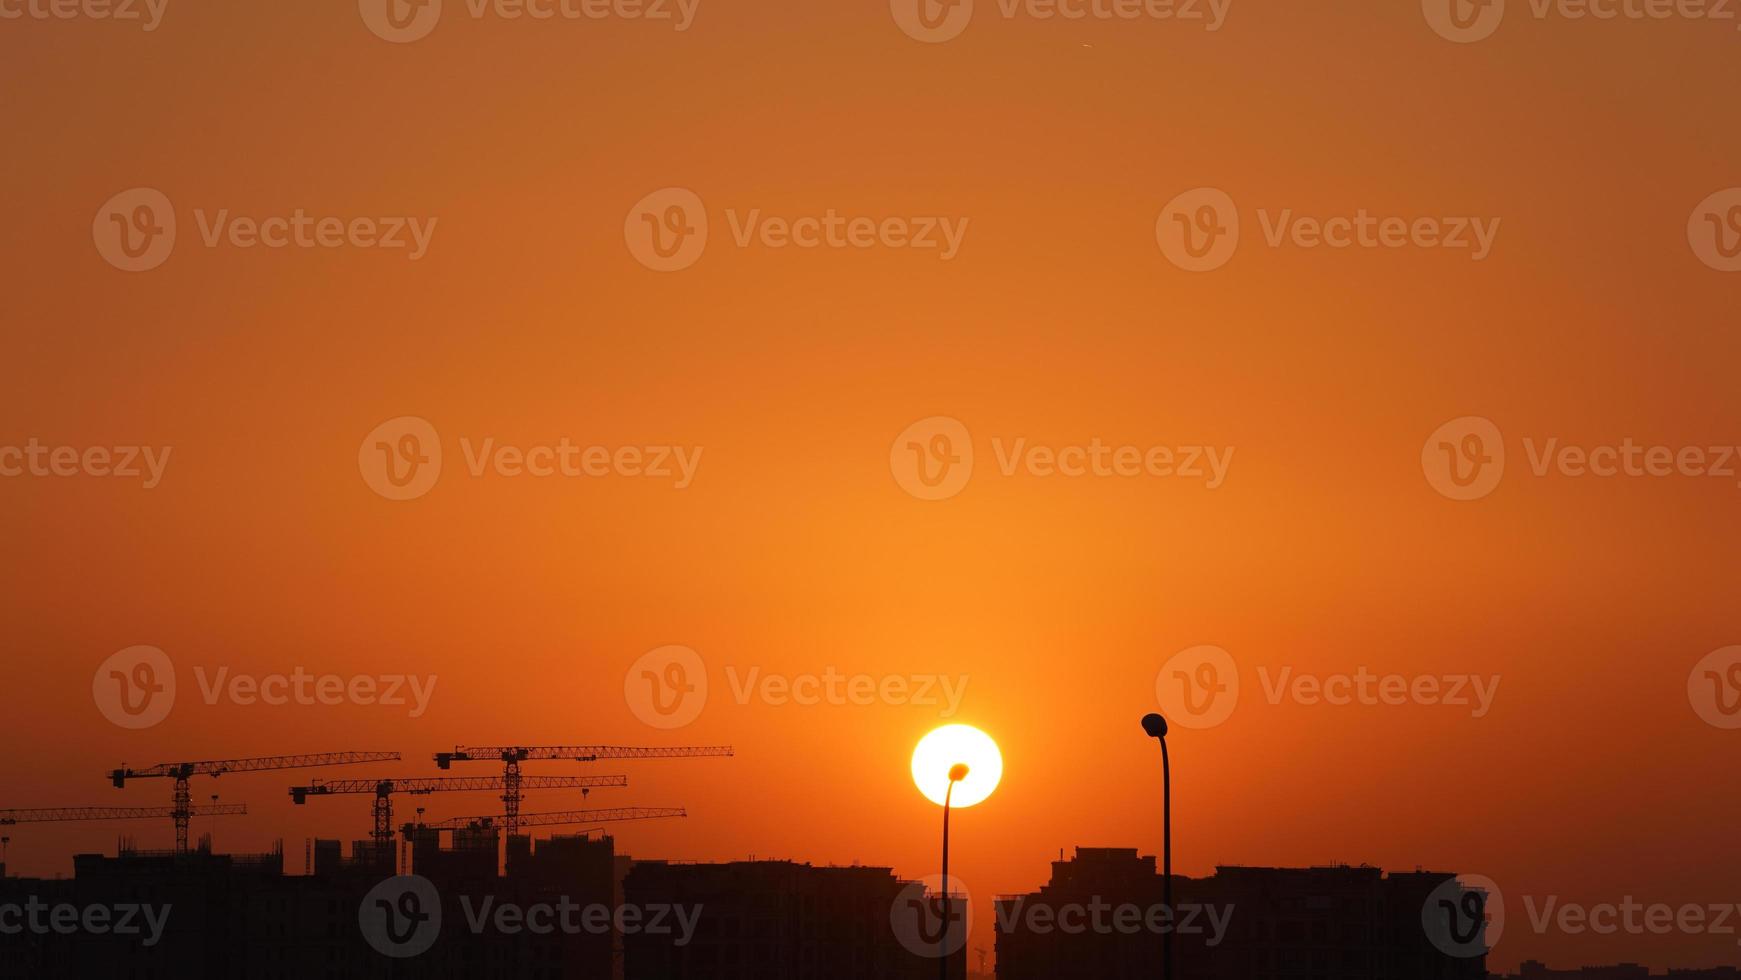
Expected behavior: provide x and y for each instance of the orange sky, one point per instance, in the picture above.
(1060, 321)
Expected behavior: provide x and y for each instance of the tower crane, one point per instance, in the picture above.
(182, 810)
(63, 814)
(383, 790)
(510, 756)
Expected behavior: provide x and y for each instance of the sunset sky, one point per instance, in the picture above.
(1052, 602)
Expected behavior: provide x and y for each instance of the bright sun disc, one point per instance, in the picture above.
(951, 744)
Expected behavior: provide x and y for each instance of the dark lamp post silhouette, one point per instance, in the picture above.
(1156, 727)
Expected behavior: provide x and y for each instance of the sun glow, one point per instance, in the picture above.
(953, 745)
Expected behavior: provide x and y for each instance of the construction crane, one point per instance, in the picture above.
(383, 790)
(510, 756)
(181, 809)
(63, 814)
(60, 814)
(560, 817)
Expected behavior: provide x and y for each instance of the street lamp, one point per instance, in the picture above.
(952, 756)
(1156, 727)
(957, 773)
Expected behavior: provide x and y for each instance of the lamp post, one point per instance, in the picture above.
(957, 773)
(950, 759)
(1156, 727)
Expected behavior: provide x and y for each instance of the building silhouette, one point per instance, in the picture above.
(1097, 918)
(241, 915)
(774, 920)
(1533, 970)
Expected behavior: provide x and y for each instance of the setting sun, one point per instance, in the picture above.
(953, 745)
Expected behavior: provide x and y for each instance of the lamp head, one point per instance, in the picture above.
(1155, 725)
(958, 772)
